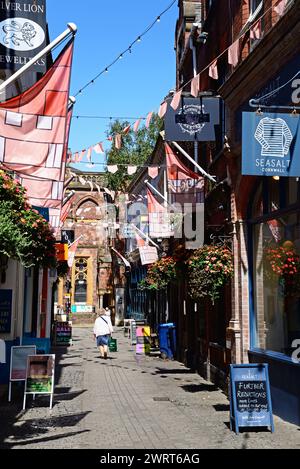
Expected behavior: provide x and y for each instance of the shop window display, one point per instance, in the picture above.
(276, 269)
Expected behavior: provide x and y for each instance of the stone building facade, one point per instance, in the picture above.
(91, 285)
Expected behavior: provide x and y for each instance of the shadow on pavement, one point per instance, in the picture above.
(40, 440)
(222, 407)
(166, 371)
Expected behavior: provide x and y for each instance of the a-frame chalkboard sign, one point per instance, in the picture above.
(250, 397)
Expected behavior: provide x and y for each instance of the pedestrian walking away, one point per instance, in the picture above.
(102, 331)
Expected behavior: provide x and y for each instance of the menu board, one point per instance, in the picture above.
(40, 376)
(18, 361)
(250, 397)
(18, 364)
(63, 333)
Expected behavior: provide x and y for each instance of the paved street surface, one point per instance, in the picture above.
(128, 401)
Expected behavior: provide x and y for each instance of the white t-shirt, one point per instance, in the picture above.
(103, 326)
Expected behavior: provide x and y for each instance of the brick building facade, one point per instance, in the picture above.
(255, 320)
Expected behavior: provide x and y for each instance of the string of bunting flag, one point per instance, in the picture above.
(127, 50)
(99, 148)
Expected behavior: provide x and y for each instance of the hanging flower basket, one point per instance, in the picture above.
(159, 274)
(209, 269)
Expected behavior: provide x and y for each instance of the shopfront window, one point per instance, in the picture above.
(276, 274)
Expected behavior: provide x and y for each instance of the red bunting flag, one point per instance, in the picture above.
(213, 70)
(136, 125)
(233, 53)
(255, 31)
(153, 172)
(118, 141)
(280, 7)
(99, 148)
(163, 109)
(176, 100)
(89, 154)
(127, 129)
(195, 86)
(66, 210)
(148, 120)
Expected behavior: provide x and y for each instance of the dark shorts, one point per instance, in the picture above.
(102, 340)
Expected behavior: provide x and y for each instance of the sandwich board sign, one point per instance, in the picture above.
(39, 376)
(18, 363)
(250, 397)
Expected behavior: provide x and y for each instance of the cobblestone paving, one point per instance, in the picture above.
(128, 401)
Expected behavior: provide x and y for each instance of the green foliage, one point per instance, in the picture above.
(24, 234)
(136, 149)
(209, 269)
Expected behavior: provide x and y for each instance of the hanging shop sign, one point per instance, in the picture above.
(195, 119)
(148, 255)
(18, 363)
(250, 397)
(271, 144)
(40, 376)
(5, 311)
(23, 33)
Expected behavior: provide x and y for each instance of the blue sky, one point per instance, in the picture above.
(136, 84)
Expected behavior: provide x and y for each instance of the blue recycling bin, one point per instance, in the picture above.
(167, 340)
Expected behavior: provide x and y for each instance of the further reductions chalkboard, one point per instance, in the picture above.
(250, 397)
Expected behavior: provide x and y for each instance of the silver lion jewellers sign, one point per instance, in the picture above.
(22, 33)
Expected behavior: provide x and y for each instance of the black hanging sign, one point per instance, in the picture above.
(23, 33)
(195, 119)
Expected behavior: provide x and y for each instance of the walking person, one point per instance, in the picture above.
(102, 331)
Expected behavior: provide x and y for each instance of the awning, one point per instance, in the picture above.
(126, 262)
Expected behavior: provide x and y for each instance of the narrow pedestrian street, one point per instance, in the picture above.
(128, 401)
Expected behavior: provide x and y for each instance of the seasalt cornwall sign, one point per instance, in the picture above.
(271, 144)
(22, 33)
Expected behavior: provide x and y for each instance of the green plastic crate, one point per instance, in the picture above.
(112, 345)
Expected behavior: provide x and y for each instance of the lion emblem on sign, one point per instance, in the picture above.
(16, 33)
